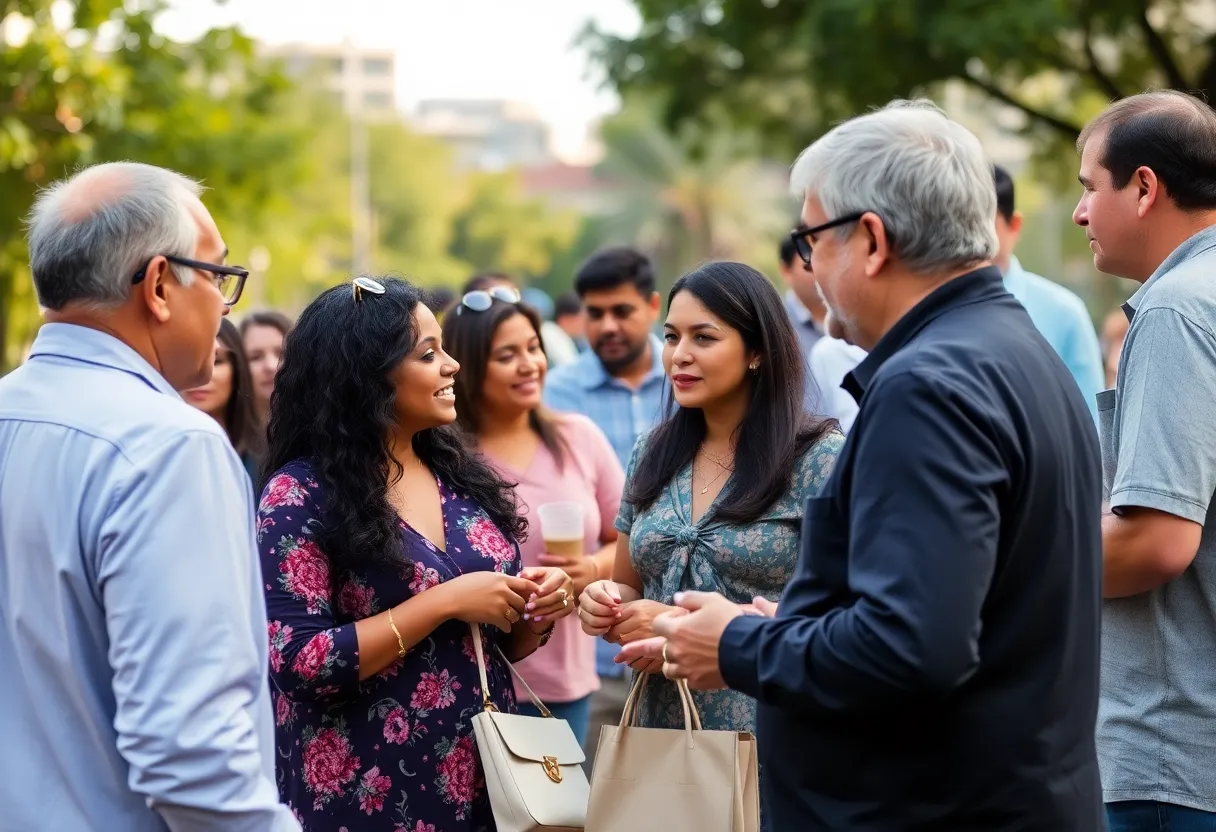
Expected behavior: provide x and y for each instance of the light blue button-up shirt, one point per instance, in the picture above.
(132, 621)
(623, 413)
(1062, 319)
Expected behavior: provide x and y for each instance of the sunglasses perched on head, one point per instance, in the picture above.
(479, 300)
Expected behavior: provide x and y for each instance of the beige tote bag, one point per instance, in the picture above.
(533, 765)
(673, 780)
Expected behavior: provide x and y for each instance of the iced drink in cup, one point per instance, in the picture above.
(561, 525)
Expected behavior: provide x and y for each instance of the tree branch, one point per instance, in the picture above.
(1160, 50)
(1105, 82)
(1068, 129)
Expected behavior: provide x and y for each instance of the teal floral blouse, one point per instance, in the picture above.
(671, 554)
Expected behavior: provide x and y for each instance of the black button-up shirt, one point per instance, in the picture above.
(934, 660)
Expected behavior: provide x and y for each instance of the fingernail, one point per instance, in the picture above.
(532, 597)
(539, 618)
(530, 607)
(527, 617)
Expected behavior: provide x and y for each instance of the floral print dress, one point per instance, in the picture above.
(396, 751)
(671, 553)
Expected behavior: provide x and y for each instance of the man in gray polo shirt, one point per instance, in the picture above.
(1148, 167)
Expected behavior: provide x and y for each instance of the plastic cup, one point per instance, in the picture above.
(561, 525)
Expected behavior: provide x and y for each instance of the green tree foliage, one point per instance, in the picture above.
(790, 67)
(698, 194)
(92, 81)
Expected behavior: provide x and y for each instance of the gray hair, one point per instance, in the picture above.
(89, 235)
(926, 176)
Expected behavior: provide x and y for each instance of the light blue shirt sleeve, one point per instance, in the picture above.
(1083, 356)
(181, 588)
(559, 395)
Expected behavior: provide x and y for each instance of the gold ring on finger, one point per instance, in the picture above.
(562, 593)
(664, 654)
(565, 603)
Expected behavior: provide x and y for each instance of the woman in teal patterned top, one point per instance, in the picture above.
(714, 495)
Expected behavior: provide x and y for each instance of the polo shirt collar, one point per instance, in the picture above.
(596, 376)
(1193, 246)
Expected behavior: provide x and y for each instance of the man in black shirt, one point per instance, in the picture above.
(933, 663)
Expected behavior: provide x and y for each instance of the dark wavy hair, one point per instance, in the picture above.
(775, 430)
(467, 337)
(333, 404)
(240, 420)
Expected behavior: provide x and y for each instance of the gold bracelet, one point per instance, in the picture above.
(400, 643)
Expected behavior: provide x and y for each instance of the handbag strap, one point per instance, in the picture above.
(486, 703)
(692, 719)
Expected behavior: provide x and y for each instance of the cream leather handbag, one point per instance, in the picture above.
(533, 765)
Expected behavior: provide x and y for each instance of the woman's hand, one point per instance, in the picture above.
(582, 569)
(636, 619)
(552, 599)
(599, 607)
(490, 598)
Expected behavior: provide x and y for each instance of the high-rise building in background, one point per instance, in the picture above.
(487, 134)
(362, 81)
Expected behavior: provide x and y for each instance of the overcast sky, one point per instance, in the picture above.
(515, 49)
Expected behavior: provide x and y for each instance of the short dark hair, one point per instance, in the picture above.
(1169, 132)
(567, 303)
(612, 267)
(438, 299)
(483, 281)
(1004, 192)
(786, 251)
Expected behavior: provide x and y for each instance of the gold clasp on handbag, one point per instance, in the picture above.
(552, 770)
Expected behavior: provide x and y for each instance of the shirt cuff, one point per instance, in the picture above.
(1169, 503)
(737, 653)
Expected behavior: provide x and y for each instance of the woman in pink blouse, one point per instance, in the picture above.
(553, 458)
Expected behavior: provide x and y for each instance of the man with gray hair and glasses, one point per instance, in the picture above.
(933, 662)
(132, 620)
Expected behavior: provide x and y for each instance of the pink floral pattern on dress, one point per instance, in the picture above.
(280, 636)
(329, 762)
(424, 578)
(486, 538)
(357, 599)
(372, 789)
(394, 752)
(304, 572)
(434, 691)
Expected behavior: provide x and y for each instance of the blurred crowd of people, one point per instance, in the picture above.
(911, 522)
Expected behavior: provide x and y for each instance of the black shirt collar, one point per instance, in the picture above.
(981, 284)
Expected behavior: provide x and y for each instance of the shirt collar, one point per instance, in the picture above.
(981, 284)
(92, 346)
(1193, 246)
(596, 376)
(1014, 274)
(798, 312)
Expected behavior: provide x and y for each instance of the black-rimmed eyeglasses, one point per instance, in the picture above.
(801, 236)
(230, 280)
(479, 300)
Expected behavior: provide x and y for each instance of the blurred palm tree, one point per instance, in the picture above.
(702, 194)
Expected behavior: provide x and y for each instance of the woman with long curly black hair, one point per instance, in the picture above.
(382, 537)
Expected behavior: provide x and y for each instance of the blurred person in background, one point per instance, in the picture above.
(559, 348)
(1148, 208)
(439, 300)
(551, 458)
(715, 494)
(382, 538)
(806, 312)
(132, 621)
(619, 386)
(1056, 312)
(263, 334)
(568, 314)
(228, 398)
(1114, 332)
